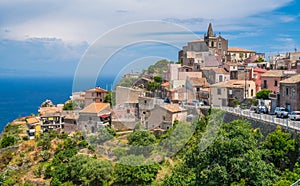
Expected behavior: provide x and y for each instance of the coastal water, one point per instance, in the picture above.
(22, 96)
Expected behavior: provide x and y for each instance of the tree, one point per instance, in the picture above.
(141, 138)
(89, 171)
(108, 98)
(236, 101)
(7, 141)
(263, 94)
(231, 157)
(278, 146)
(141, 142)
(260, 60)
(158, 79)
(70, 105)
(134, 170)
(181, 175)
(102, 135)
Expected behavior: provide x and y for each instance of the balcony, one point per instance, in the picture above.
(31, 130)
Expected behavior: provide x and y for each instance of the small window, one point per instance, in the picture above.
(164, 118)
(287, 91)
(265, 84)
(275, 83)
(145, 101)
(251, 92)
(219, 91)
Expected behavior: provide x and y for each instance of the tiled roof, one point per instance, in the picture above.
(49, 110)
(220, 70)
(198, 82)
(273, 73)
(32, 120)
(235, 49)
(259, 70)
(231, 83)
(172, 107)
(97, 89)
(95, 108)
(293, 79)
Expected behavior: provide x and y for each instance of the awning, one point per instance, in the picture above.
(105, 116)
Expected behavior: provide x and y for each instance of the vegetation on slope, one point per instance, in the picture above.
(232, 154)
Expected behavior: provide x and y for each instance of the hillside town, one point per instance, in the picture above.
(208, 73)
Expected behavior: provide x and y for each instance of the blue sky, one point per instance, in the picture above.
(50, 38)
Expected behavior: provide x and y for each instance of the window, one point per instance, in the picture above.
(251, 92)
(145, 101)
(164, 118)
(220, 78)
(275, 83)
(219, 91)
(265, 84)
(220, 45)
(287, 91)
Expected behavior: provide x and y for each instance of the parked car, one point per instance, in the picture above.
(281, 112)
(295, 115)
(262, 109)
(197, 103)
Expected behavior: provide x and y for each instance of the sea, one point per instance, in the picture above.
(22, 96)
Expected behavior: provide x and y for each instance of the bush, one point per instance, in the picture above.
(263, 94)
(45, 155)
(7, 141)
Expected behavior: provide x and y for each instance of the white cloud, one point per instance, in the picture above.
(77, 20)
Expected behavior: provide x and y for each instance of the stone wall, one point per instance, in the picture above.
(265, 127)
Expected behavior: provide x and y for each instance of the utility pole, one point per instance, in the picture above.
(245, 83)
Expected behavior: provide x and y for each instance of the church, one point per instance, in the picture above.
(211, 50)
(216, 44)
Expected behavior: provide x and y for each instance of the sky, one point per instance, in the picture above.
(52, 38)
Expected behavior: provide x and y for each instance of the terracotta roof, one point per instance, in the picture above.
(49, 110)
(198, 82)
(293, 79)
(231, 84)
(234, 64)
(220, 70)
(97, 89)
(235, 49)
(32, 120)
(95, 108)
(273, 73)
(72, 116)
(172, 107)
(259, 70)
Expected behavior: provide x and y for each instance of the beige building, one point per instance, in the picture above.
(216, 75)
(94, 116)
(290, 93)
(94, 95)
(239, 54)
(223, 93)
(163, 116)
(128, 95)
